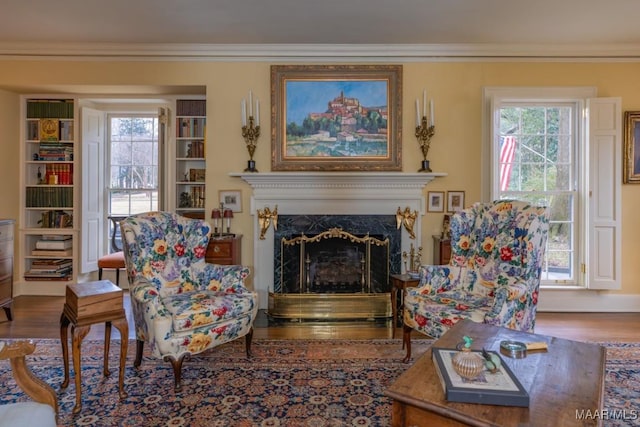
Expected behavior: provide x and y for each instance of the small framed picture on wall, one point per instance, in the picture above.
(455, 201)
(232, 199)
(436, 201)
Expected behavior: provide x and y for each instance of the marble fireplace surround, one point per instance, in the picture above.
(329, 193)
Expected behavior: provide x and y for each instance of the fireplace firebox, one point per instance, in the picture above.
(334, 266)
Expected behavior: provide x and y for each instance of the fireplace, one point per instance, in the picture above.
(318, 202)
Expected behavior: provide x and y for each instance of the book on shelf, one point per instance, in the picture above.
(499, 388)
(49, 130)
(56, 237)
(52, 252)
(54, 244)
(42, 278)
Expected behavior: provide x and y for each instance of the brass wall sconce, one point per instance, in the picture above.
(425, 129)
(408, 219)
(265, 218)
(250, 132)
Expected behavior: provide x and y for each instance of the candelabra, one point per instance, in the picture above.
(414, 258)
(250, 133)
(424, 132)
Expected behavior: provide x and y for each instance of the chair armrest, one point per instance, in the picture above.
(507, 301)
(216, 277)
(436, 278)
(33, 386)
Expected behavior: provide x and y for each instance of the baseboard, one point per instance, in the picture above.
(573, 300)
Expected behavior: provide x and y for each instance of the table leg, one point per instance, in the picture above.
(123, 327)
(107, 341)
(78, 334)
(64, 326)
(394, 309)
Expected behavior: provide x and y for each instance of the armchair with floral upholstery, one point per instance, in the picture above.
(493, 276)
(181, 304)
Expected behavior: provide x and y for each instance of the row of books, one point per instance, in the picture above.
(56, 174)
(49, 197)
(56, 219)
(195, 150)
(50, 269)
(190, 127)
(50, 130)
(55, 151)
(191, 107)
(46, 108)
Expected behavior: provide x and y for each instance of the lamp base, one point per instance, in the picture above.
(425, 166)
(251, 166)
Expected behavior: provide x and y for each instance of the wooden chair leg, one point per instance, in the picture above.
(406, 341)
(177, 370)
(99, 274)
(247, 340)
(117, 277)
(139, 347)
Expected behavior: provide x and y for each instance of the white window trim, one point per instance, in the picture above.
(582, 96)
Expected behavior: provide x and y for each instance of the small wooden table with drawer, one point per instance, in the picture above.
(225, 250)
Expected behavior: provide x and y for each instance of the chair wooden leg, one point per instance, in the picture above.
(7, 311)
(406, 341)
(139, 347)
(247, 340)
(117, 277)
(177, 370)
(99, 274)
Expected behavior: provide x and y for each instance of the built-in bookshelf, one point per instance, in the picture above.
(48, 198)
(190, 165)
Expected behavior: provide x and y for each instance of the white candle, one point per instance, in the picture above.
(417, 113)
(250, 104)
(424, 102)
(243, 104)
(257, 112)
(431, 112)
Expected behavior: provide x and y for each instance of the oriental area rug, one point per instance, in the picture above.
(313, 383)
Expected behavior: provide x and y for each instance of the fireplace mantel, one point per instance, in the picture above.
(329, 193)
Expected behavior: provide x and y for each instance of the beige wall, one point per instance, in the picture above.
(456, 88)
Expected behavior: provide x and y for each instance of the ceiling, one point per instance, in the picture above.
(262, 27)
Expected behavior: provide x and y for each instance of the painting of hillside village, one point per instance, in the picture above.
(337, 119)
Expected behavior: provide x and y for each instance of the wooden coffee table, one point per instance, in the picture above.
(561, 382)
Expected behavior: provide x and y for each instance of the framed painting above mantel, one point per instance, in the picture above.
(336, 117)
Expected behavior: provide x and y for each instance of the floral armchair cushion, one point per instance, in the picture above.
(181, 304)
(493, 275)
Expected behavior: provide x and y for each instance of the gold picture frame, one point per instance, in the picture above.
(631, 147)
(336, 117)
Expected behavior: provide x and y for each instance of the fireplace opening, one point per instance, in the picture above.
(334, 267)
(334, 261)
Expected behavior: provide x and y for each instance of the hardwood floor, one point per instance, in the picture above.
(39, 317)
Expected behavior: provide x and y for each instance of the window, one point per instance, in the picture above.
(133, 164)
(542, 145)
(537, 161)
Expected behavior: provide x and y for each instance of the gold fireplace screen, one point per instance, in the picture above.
(336, 276)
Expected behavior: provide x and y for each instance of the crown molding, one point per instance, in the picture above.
(311, 52)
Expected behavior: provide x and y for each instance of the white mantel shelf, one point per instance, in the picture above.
(329, 193)
(373, 180)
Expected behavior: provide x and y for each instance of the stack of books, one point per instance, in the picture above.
(49, 269)
(54, 246)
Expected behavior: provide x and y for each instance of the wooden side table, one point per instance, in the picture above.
(86, 304)
(402, 282)
(225, 250)
(441, 250)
